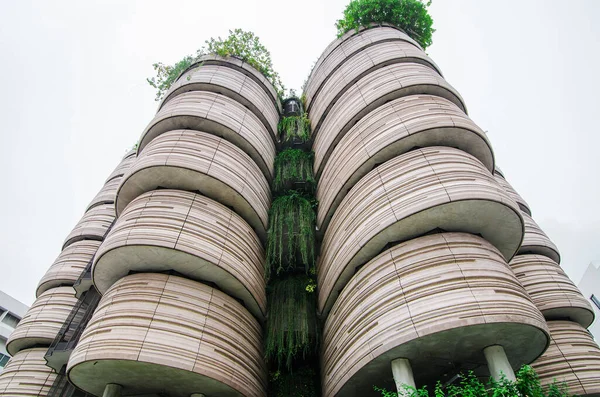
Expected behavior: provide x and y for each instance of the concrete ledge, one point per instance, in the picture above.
(93, 225)
(26, 374)
(512, 192)
(536, 241)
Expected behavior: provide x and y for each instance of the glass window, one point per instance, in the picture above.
(596, 301)
(3, 359)
(11, 320)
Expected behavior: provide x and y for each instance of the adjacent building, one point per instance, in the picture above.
(11, 312)
(590, 287)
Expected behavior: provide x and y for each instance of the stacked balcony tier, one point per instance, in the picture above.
(174, 230)
(43, 320)
(391, 130)
(158, 333)
(512, 192)
(536, 241)
(435, 188)
(573, 358)
(107, 194)
(26, 374)
(93, 225)
(438, 301)
(551, 289)
(197, 161)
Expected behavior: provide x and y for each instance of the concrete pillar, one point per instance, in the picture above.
(112, 390)
(403, 375)
(498, 363)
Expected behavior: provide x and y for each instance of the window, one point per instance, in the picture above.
(11, 320)
(596, 301)
(3, 360)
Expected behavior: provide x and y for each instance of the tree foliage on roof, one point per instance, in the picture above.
(409, 15)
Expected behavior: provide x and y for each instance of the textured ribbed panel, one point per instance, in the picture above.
(361, 64)
(512, 192)
(551, 289)
(535, 241)
(218, 115)
(26, 374)
(93, 224)
(341, 49)
(193, 235)
(408, 196)
(447, 295)
(573, 357)
(154, 333)
(390, 130)
(69, 265)
(197, 161)
(232, 83)
(107, 194)
(370, 92)
(123, 165)
(43, 320)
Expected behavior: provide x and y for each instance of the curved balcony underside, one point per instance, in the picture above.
(26, 374)
(69, 265)
(107, 194)
(228, 81)
(428, 300)
(372, 91)
(43, 320)
(389, 131)
(154, 333)
(93, 225)
(536, 241)
(413, 194)
(123, 166)
(512, 192)
(218, 115)
(174, 230)
(551, 289)
(199, 162)
(572, 357)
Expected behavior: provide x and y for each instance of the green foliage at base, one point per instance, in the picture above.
(302, 382)
(291, 127)
(291, 166)
(291, 233)
(291, 328)
(409, 15)
(526, 385)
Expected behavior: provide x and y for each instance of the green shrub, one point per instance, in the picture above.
(291, 127)
(293, 165)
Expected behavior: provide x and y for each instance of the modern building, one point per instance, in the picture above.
(430, 263)
(590, 287)
(11, 312)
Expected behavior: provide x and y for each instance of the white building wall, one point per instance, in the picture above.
(590, 285)
(10, 309)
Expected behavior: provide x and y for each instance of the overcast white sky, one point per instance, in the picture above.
(74, 98)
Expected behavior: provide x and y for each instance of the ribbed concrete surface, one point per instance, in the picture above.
(408, 196)
(512, 193)
(218, 115)
(536, 241)
(197, 161)
(391, 130)
(123, 165)
(572, 357)
(551, 289)
(43, 320)
(26, 374)
(156, 333)
(69, 265)
(93, 224)
(446, 295)
(107, 194)
(370, 92)
(193, 235)
(340, 50)
(230, 82)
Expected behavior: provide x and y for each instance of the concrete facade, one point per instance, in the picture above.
(590, 287)
(11, 313)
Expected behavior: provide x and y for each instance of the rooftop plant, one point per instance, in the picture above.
(409, 15)
(240, 44)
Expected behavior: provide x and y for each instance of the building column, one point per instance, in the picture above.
(112, 390)
(403, 375)
(498, 363)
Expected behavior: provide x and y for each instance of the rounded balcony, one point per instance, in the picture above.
(43, 320)
(157, 333)
(93, 225)
(218, 115)
(69, 265)
(351, 43)
(551, 289)
(424, 190)
(26, 374)
(572, 357)
(174, 230)
(359, 65)
(229, 80)
(200, 162)
(372, 91)
(437, 301)
(536, 242)
(107, 194)
(391, 130)
(512, 192)
(123, 166)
